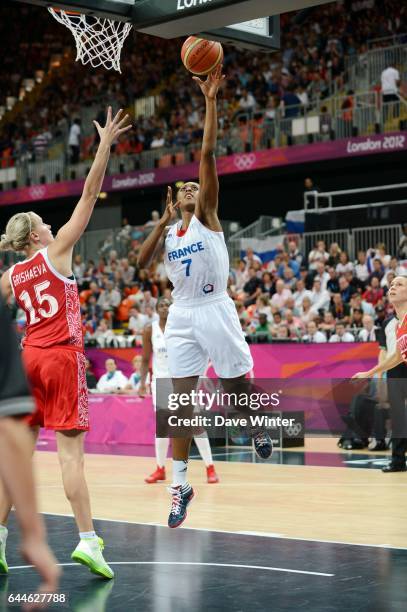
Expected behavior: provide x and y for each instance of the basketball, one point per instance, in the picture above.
(201, 56)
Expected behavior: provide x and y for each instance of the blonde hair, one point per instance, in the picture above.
(18, 232)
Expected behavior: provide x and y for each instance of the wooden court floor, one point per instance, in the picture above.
(335, 504)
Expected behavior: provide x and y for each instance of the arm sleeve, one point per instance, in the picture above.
(15, 397)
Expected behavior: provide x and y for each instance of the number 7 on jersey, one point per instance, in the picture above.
(187, 262)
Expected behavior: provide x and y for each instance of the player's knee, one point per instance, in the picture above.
(71, 461)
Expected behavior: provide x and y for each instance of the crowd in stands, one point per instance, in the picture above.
(317, 297)
(313, 54)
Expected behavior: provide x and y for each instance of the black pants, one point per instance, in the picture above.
(75, 154)
(391, 105)
(397, 392)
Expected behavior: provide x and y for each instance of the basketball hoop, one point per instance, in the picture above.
(99, 41)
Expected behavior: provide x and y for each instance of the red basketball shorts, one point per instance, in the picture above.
(58, 383)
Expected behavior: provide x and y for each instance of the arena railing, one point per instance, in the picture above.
(264, 225)
(354, 240)
(316, 200)
(341, 117)
(363, 71)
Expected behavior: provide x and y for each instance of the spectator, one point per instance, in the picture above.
(250, 258)
(345, 289)
(113, 381)
(333, 281)
(281, 295)
(247, 101)
(374, 293)
(361, 269)
(91, 381)
(356, 321)
(357, 301)
(377, 271)
(263, 306)
(137, 322)
(301, 293)
(328, 324)
(368, 333)
(133, 384)
(390, 79)
(344, 264)
(320, 297)
(127, 271)
(158, 141)
(78, 268)
(104, 336)
(267, 284)
(110, 298)
(294, 253)
(334, 255)
(252, 289)
(155, 217)
(262, 327)
(341, 335)
(307, 312)
(338, 308)
(313, 334)
(291, 103)
(318, 254)
(294, 324)
(321, 274)
(74, 141)
(241, 275)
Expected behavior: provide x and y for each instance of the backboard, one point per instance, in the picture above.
(257, 27)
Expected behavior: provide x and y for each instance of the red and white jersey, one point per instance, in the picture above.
(401, 335)
(50, 302)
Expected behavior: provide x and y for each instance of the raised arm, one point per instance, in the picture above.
(145, 359)
(70, 233)
(207, 209)
(151, 245)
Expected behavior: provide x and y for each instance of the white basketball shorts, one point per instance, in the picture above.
(196, 332)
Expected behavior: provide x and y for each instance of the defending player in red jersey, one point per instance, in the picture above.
(43, 286)
(398, 386)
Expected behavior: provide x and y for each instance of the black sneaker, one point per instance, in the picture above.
(180, 502)
(377, 445)
(394, 467)
(262, 444)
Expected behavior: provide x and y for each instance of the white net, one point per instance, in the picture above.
(99, 41)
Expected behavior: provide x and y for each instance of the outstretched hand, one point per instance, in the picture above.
(360, 375)
(113, 128)
(170, 208)
(211, 86)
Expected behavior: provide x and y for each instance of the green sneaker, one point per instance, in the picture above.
(89, 553)
(3, 540)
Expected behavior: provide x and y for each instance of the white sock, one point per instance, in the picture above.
(179, 473)
(3, 530)
(204, 448)
(161, 450)
(87, 535)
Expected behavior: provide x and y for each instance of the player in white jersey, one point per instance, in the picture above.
(202, 322)
(154, 344)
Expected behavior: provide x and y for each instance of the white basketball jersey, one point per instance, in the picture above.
(197, 263)
(160, 357)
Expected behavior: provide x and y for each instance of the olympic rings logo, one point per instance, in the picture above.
(245, 161)
(37, 192)
(294, 430)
